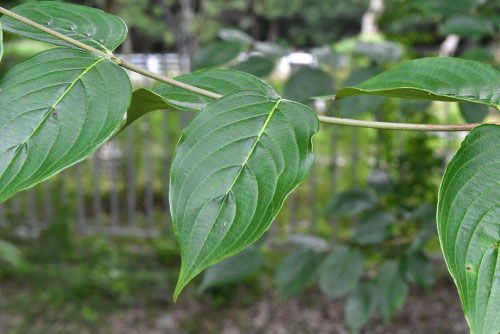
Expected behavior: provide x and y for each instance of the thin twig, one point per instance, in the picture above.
(324, 119)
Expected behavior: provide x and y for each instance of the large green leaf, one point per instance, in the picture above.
(165, 96)
(216, 54)
(233, 269)
(341, 270)
(468, 221)
(85, 24)
(305, 83)
(233, 167)
(439, 79)
(360, 306)
(297, 271)
(391, 288)
(56, 109)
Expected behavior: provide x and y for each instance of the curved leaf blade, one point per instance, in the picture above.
(235, 164)
(391, 288)
(469, 226)
(473, 112)
(88, 25)
(56, 109)
(341, 271)
(360, 306)
(438, 79)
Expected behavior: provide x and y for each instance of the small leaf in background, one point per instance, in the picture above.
(341, 270)
(409, 107)
(473, 112)
(235, 35)
(379, 51)
(297, 271)
(437, 79)
(469, 226)
(374, 228)
(163, 96)
(326, 56)
(235, 164)
(272, 49)
(391, 288)
(216, 54)
(418, 269)
(255, 65)
(380, 181)
(233, 269)
(466, 26)
(425, 215)
(305, 83)
(309, 241)
(88, 25)
(482, 55)
(351, 202)
(360, 105)
(360, 306)
(58, 107)
(10, 254)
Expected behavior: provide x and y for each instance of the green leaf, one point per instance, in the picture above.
(473, 112)
(10, 254)
(258, 66)
(233, 269)
(360, 306)
(351, 202)
(1, 42)
(469, 226)
(379, 52)
(479, 54)
(359, 105)
(374, 228)
(235, 35)
(165, 96)
(56, 109)
(380, 180)
(297, 272)
(418, 268)
(391, 288)
(309, 241)
(438, 79)
(466, 26)
(341, 270)
(272, 49)
(216, 54)
(88, 25)
(305, 83)
(234, 166)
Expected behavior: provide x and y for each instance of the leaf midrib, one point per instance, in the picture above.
(63, 95)
(252, 149)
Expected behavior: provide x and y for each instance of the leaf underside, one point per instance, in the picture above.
(56, 109)
(88, 25)
(234, 166)
(469, 226)
(438, 79)
(165, 96)
(341, 271)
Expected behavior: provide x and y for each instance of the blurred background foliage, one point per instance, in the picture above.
(361, 231)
